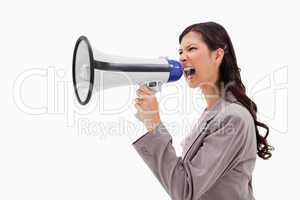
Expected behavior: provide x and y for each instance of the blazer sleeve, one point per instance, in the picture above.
(190, 179)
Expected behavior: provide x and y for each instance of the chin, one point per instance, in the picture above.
(192, 84)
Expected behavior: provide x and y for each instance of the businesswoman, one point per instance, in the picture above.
(219, 154)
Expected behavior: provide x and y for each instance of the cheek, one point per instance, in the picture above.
(205, 70)
(198, 61)
(202, 64)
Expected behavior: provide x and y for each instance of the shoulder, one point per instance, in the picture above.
(237, 110)
(234, 114)
(234, 109)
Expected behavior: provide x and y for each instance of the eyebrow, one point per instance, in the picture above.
(180, 49)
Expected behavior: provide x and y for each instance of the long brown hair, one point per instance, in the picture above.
(215, 36)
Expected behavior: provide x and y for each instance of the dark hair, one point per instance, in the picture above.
(215, 36)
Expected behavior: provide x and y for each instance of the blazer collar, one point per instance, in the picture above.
(206, 117)
(220, 105)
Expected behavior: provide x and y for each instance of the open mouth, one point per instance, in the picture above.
(189, 72)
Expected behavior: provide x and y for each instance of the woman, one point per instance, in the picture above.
(219, 154)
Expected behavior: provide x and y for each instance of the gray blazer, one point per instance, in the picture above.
(218, 155)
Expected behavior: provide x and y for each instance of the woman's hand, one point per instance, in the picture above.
(147, 107)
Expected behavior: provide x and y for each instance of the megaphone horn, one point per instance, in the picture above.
(88, 63)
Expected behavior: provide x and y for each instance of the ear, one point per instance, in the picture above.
(219, 54)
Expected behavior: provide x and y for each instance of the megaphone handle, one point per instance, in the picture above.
(155, 86)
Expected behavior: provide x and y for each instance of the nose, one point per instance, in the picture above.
(182, 58)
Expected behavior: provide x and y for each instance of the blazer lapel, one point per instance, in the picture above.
(198, 132)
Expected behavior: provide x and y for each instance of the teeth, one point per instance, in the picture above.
(189, 71)
(188, 68)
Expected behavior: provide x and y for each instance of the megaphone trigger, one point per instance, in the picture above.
(155, 86)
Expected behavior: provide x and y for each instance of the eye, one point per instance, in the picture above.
(192, 48)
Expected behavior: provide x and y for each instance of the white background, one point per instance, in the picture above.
(51, 148)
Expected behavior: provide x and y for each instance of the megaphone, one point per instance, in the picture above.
(88, 64)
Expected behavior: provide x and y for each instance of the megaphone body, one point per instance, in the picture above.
(90, 65)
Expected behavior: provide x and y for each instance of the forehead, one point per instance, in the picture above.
(190, 38)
